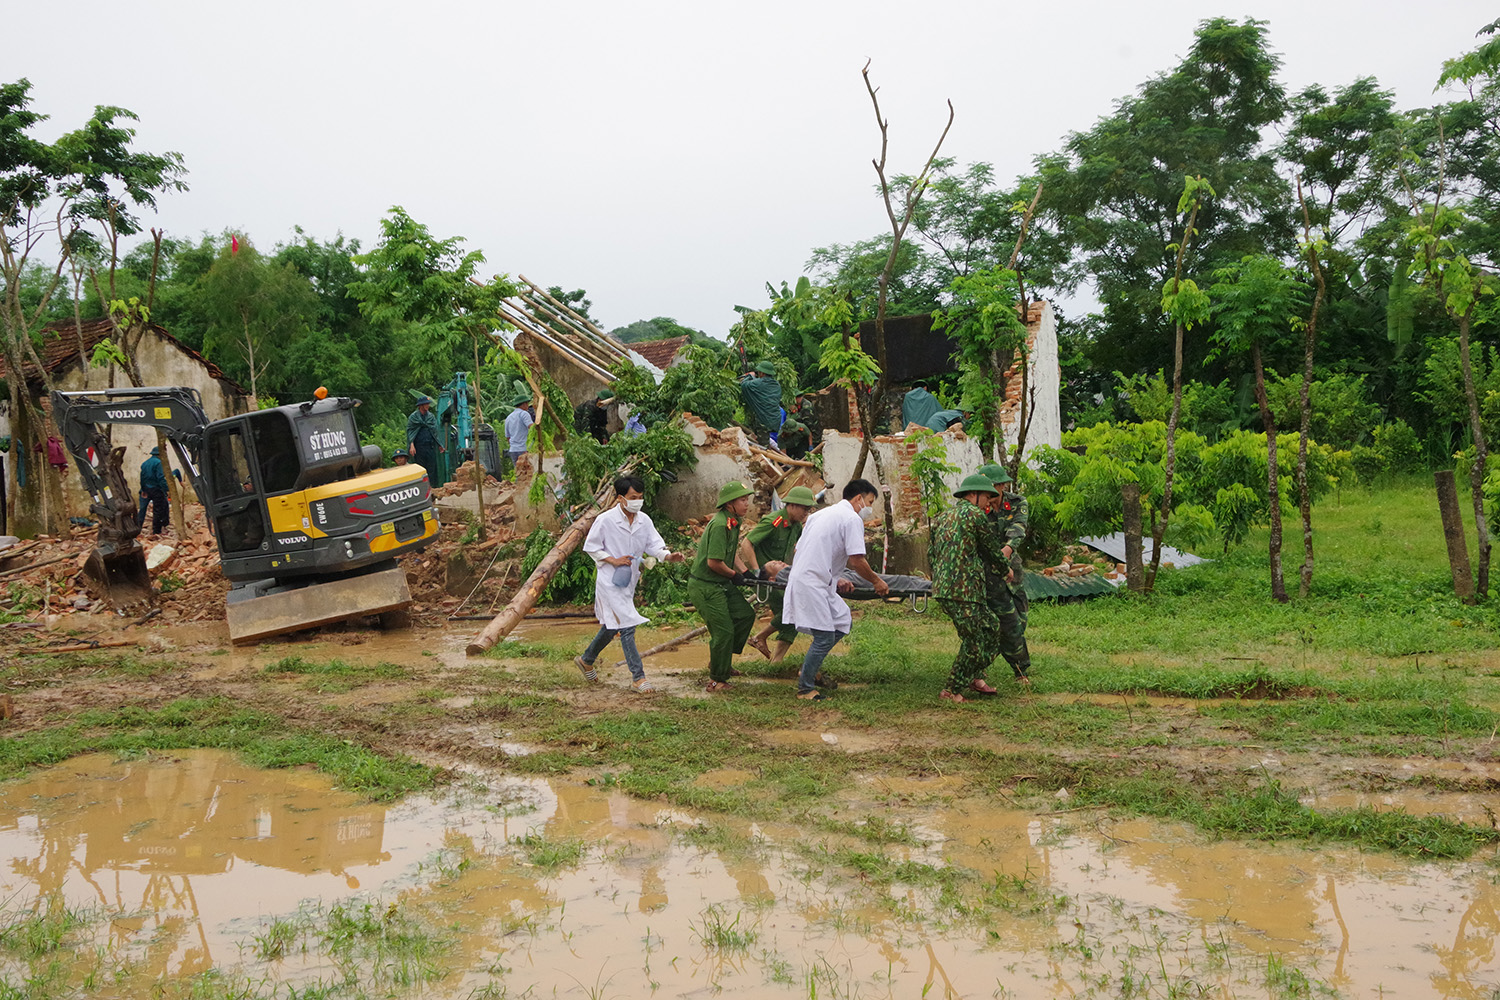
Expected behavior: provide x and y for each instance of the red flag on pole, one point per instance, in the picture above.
(234, 245)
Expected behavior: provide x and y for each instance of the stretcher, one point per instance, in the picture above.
(914, 589)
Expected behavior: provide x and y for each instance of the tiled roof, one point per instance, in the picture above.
(59, 350)
(659, 352)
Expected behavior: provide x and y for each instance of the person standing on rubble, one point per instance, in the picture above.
(517, 424)
(773, 541)
(832, 539)
(761, 393)
(154, 492)
(1005, 586)
(963, 541)
(717, 568)
(617, 540)
(423, 436)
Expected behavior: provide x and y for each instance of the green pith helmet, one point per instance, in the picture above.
(730, 492)
(766, 368)
(995, 472)
(521, 400)
(800, 495)
(606, 394)
(975, 483)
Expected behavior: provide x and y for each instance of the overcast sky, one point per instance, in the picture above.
(669, 157)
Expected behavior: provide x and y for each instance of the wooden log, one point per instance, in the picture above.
(27, 569)
(1135, 569)
(671, 643)
(1453, 534)
(81, 647)
(16, 551)
(531, 590)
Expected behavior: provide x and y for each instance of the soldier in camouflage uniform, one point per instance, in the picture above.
(1006, 587)
(963, 542)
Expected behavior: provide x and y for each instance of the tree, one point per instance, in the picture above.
(58, 196)
(1256, 302)
(983, 321)
(1187, 305)
(1112, 191)
(427, 289)
(254, 306)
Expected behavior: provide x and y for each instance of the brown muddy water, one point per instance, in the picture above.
(550, 888)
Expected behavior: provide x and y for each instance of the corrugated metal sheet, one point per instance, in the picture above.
(1040, 586)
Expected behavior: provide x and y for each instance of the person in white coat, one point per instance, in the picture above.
(617, 540)
(832, 538)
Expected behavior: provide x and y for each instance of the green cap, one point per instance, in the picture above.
(766, 368)
(606, 394)
(975, 483)
(733, 491)
(800, 495)
(995, 472)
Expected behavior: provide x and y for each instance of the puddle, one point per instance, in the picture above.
(192, 856)
(1479, 808)
(821, 739)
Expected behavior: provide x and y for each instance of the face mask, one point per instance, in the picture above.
(867, 513)
(634, 506)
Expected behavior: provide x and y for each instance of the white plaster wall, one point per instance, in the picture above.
(162, 364)
(1046, 376)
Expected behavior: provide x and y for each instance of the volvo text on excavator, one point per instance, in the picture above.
(307, 522)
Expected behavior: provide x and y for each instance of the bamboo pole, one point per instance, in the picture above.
(585, 341)
(27, 569)
(531, 591)
(781, 459)
(525, 323)
(671, 643)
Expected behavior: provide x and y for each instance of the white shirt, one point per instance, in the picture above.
(610, 536)
(829, 537)
(516, 425)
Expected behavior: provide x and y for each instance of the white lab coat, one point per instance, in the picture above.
(829, 537)
(610, 537)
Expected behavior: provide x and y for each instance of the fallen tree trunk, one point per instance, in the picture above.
(531, 590)
(671, 643)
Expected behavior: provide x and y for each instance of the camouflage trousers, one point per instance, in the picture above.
(977, 627)
(1023, 608)
(1009, 637)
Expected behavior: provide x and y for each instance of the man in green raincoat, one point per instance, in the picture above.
(761, 393)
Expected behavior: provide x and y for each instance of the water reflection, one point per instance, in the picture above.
(195, 852)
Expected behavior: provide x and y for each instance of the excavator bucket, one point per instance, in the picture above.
(254, 615)
(119, 573)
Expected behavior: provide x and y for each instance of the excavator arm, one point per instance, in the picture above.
(117, 563)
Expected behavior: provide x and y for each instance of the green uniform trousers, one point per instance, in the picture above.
(784, 632)
(1009, 639)
(977, 626)
(729, 618)
(1023, 607)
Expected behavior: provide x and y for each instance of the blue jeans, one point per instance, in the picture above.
(822, 643)
(627, 643)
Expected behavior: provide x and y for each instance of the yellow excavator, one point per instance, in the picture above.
(307, 522)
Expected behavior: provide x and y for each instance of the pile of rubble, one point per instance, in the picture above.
(44, 577)
(1080, 560)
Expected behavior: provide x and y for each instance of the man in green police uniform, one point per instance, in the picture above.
(1005, 586)
(773, 540)
(711, 587)
(962, 543)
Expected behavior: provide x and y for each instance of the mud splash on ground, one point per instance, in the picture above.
(569, 888)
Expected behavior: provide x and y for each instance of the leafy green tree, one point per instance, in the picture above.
(255, 306)
(1187, 305)
(984, 322)
(427, 289)
(1257, 303)
(56, 201)
(1113, 190)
